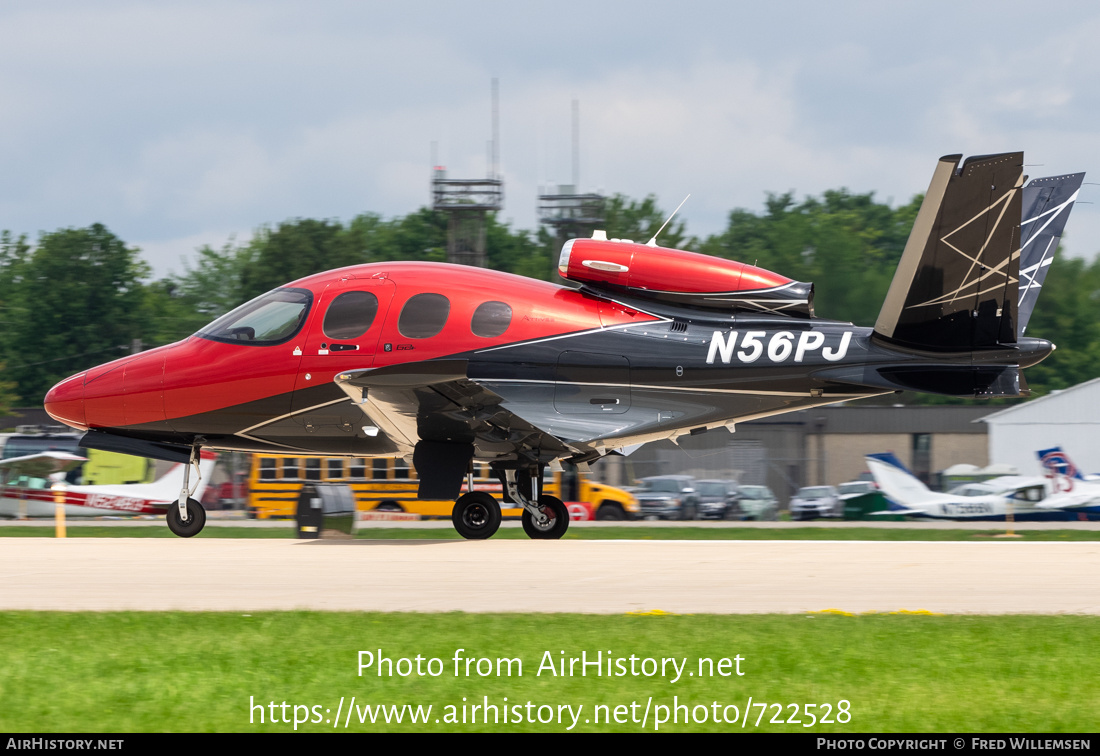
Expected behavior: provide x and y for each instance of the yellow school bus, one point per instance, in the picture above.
(390, 485)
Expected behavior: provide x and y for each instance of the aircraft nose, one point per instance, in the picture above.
(65, 401)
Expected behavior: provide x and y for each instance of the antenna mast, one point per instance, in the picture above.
(496, 130)
(466, 202)
(576, 145)
(568, 213)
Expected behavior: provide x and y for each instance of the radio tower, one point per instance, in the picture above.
(563, 208)
(466, 201)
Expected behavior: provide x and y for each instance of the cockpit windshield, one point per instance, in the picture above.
(271, 318)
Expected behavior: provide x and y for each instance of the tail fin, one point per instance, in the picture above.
(167, 486)
(1046, 203)
(1057, 464)
(956, 287)
(897, 483)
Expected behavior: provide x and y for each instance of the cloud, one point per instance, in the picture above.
(171, 122)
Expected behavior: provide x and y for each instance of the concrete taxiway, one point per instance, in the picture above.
(606, 577)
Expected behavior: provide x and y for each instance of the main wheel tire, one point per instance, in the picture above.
(476, 515)
(610, 511)
(556, 526)
(193, 525)
(389, 506)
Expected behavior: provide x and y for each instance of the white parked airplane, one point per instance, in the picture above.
(1070, 490)
(28, 485)
(1028, 498)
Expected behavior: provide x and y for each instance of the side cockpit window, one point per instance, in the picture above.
(350, 315)
(423, 316)
(491, 319)
(271, 318)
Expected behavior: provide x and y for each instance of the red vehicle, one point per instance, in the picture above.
(445, 364)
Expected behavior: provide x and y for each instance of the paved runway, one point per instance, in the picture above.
(606, 577)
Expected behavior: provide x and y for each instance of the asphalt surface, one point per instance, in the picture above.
(605, 577)
(213, 520)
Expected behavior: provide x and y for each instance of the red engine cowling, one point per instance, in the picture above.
(677, 276)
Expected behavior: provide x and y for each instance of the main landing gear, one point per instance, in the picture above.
(187, 516)
(554, 522)
(476, 514)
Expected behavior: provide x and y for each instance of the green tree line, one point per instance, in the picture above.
(77, 297)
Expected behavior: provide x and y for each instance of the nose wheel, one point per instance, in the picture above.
(192, 525)
(476, 515)
(554, 523)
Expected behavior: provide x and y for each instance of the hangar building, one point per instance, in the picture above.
(1069, 418)
(818, 446)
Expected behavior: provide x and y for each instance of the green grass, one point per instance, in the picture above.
(131, 672)
(853, 533)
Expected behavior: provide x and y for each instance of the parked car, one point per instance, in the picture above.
(668, 497)
(757, 503)
(718, 499)
(812, 502)
(856, 488)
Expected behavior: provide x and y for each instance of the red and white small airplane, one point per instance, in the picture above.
(445, 364)
(31, 484)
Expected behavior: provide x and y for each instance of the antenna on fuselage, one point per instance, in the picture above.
(653, 242)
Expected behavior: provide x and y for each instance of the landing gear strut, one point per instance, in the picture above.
(476, 514)
(188, 517)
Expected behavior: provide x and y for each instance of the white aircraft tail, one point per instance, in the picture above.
(167, 487)
(898, 484)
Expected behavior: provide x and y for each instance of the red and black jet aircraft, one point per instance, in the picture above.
(446, 364)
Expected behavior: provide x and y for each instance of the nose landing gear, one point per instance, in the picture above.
(187, 516)
(189, 526)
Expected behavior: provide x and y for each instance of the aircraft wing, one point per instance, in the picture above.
(41, 465)
(898, 511)
(1069, 501)
(436, 401)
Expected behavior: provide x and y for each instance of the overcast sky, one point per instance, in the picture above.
(178, 124)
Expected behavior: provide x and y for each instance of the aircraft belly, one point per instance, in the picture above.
(656, 412)
(336, 427)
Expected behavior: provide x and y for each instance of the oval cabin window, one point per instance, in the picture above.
(423, 316)
(350, 315)
(491, 319)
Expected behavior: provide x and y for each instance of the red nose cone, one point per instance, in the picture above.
(65, 402)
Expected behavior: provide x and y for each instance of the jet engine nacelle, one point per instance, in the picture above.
(681, 277)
